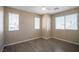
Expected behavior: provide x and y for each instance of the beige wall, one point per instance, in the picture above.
(69, 35)
(1, 27)
(46, 26)
(26, 31)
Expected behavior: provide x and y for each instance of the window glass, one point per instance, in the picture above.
(37, 22)
(13, 21)
(60, 22)
(71, 22)
(68, 22)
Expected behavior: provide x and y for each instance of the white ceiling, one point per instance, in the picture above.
(38, 9)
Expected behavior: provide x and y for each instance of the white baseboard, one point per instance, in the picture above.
(25, 41)
(67, 41)
(21, 41)
(46, 38)
(38, 38)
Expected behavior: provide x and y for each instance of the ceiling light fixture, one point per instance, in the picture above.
(44, 8)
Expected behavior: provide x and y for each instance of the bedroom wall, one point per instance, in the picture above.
(46, 26)
(69, 35)
(1, 28)
(26, 31)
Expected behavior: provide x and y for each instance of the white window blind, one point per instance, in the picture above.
(13, 22)
(37, 22)
(71, 22)
(68, 22)
(60, 22)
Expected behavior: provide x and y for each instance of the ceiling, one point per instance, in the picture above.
(38, 9)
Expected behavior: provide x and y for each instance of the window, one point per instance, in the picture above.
(60, 22)
(67, 22)
(37, 22)
(71, 22)
(13, 22)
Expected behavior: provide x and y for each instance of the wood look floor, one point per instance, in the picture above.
(42, 45)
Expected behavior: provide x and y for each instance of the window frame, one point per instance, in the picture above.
(56, 25)
(16, 14)
(35, 27)
(65, 22)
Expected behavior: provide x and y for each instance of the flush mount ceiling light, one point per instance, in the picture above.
(44, 8)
